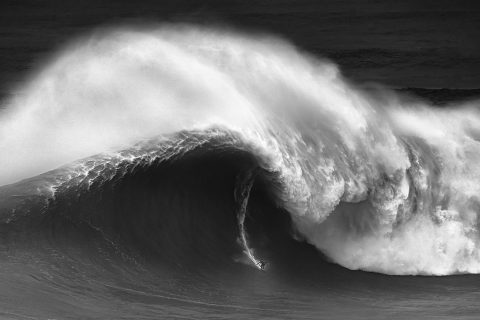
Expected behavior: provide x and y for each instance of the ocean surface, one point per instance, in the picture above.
(239, 160)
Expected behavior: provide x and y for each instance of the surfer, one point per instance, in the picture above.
(261, 264)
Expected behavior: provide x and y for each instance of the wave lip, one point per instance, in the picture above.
(375, 182)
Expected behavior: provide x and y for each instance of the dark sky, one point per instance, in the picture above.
(431, 44)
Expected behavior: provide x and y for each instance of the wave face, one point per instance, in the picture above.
(373, 181)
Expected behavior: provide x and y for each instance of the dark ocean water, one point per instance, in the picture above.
(110, 209)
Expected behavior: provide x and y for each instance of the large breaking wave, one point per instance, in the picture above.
(374, 181)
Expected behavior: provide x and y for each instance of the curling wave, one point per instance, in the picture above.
(374, 181)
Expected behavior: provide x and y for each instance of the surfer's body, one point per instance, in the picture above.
(261, 264)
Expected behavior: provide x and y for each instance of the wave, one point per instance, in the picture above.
(374, 181)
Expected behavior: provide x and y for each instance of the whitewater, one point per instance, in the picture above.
(373, 180)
